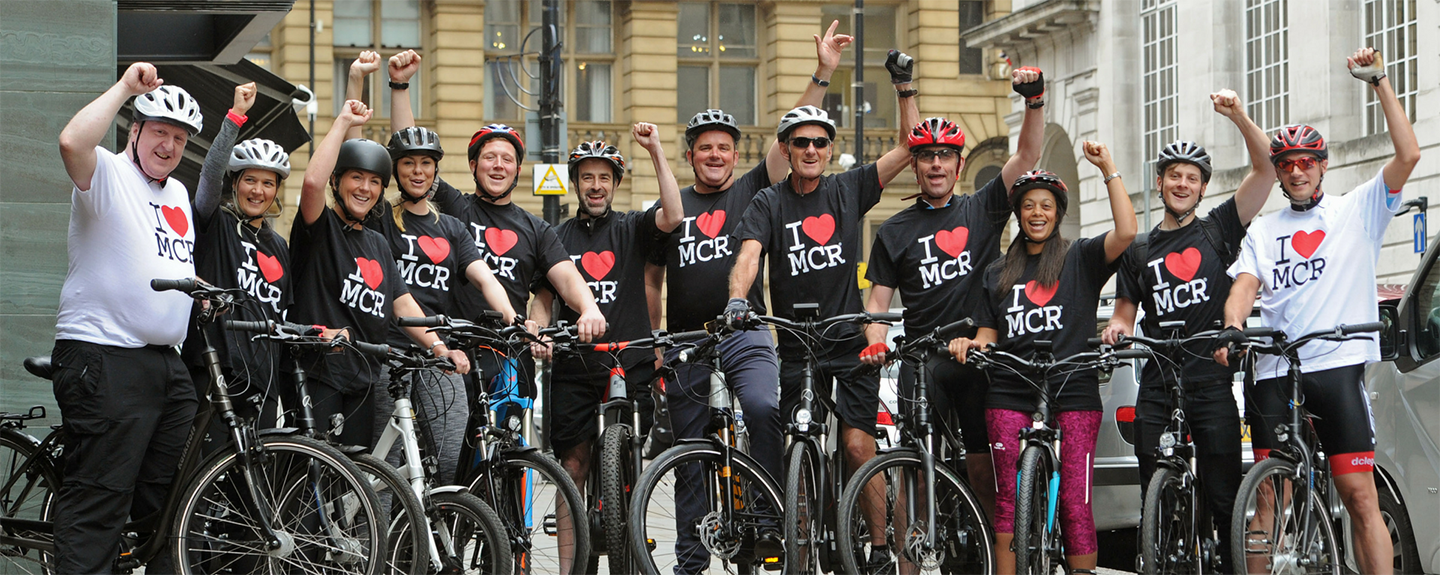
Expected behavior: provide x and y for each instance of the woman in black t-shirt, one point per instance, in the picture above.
(1048, 288)
(345, 274)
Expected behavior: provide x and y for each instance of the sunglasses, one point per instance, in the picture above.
(1305, 163)
(936, 154)
(820, 143)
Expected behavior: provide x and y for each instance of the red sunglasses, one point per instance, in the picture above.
(1305, 163)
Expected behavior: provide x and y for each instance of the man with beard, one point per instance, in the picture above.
(1178, 273)
(935, 253)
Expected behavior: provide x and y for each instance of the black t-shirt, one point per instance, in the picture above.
(1183, 279)
(230, 254)
(1063, 313)
(517, 246)
(431, 256)
(937, 256)
(698, 254)
(813, 242)
(344, 277)
(610, 252)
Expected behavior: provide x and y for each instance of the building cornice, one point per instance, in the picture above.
(1038, 20)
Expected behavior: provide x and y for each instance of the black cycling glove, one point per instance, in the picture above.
(737, 312)
(1034, 89)
(901, 67)
(1230, 339)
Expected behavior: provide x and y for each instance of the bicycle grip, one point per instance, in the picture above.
(1367, 327)
(1260, 331)
(371, 348)
(947, 332)
(1132, 353)
(186, 285)
(250, 326)
(427, 321)
(886, 316)
(1094, 342)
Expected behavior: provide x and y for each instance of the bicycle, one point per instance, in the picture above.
(537, 501)
(1266, 525)
(932, 517)
(1037, 539)
(744, 503)
(266, 501)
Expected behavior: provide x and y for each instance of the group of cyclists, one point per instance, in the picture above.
(357, 259)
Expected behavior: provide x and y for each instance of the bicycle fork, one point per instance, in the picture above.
(402, 427)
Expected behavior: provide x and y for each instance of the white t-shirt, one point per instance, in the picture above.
(1317, 271)
(124, 232)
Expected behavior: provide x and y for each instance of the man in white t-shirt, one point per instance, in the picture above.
(125, 396)
(1314, 268)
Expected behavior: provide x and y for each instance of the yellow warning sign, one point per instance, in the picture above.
(549, 179)
(860, 272)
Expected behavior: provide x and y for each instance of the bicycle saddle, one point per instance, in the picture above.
(40, 366)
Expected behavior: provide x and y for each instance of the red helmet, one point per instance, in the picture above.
(496, 131)
(1040, 179)
(1298, 138)
(937, 132)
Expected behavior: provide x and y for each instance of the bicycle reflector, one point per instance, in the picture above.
(1125, 422)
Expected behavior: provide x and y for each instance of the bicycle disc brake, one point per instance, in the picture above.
(717, 538)
(915, 551)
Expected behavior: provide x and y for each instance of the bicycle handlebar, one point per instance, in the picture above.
(822, 325)
(186, 285)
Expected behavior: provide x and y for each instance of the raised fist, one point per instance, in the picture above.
(901, 67)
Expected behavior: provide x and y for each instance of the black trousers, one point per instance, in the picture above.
(126, 414)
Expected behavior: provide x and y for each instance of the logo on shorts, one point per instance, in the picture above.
(999, 446)
(1363, 461)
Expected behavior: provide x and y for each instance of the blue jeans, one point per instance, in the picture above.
(751, 367)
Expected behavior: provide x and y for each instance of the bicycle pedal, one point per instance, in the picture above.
(772, 564)
(550, 525)
(650, 544)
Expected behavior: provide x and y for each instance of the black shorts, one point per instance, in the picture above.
(1339, 410)
(1209, 408)
(857, 401)
(950, 379)
(576, 390)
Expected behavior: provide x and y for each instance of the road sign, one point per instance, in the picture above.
(550, 179)
(1420, 233)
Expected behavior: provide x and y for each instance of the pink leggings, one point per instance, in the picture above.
(1077, 459)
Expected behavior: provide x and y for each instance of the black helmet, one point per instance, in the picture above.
(1184, 151)
(367, 155)
(1040, 179)
(598, 150)
(415, 140)
(707, 121)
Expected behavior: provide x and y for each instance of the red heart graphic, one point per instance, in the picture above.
(819, 228)
(1305, 244)
(1184, 264)
(711, 223)
(371, 271)
(437, 249)
(953, 241)
(269, 267)
(176, 218)
(1039, 294)
(500, 241)
(598, 265)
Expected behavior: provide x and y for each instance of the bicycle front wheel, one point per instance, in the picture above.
(617, 464)
(407, 553)
(1168, 542)
(540, 507)
(469, 535)
(963, 541)
(323, 516)
(738, 531)
(27, 492)
(803, 512)
(1036, 543)
(1272, 532)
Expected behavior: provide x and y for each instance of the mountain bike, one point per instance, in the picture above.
(1284, 519)
(932, 518)
(267, 501)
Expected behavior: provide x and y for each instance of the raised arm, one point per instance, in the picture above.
(1030, 84)
(90, 125)
(671, 211)
(367, 63)
(208, 190)
(1120, 207)
(322, 163)
(1366, 64)
(901, 68)
(402, 67)
(1251, 194)
(827, 56)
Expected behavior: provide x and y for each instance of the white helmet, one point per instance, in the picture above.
(802, 116)
(261, 154)
(170, 104)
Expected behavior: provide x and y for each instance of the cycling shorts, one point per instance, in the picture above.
(577, 390)
(1339, 411)
(857, 394)
(1210, 410)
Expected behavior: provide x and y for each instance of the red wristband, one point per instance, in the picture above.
(237, 118)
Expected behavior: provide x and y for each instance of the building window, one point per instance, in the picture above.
(972, 14)
(1267, 59)
(716, 46)
(1390, 27)
(396, 23)
(1158, 78)
(260, 54)
(512, 72)
(878, 102)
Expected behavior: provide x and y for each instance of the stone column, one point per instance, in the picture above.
(647, 79)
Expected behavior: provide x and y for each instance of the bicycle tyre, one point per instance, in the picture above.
(469, 534)
(654, 504)
(616, 465)
(1166, 519)
(408, 552)
(515, 485)
(1274, 474)
(968, 536)
(1033, 535)
(32, 499)
(803, 514)
(208, 522)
